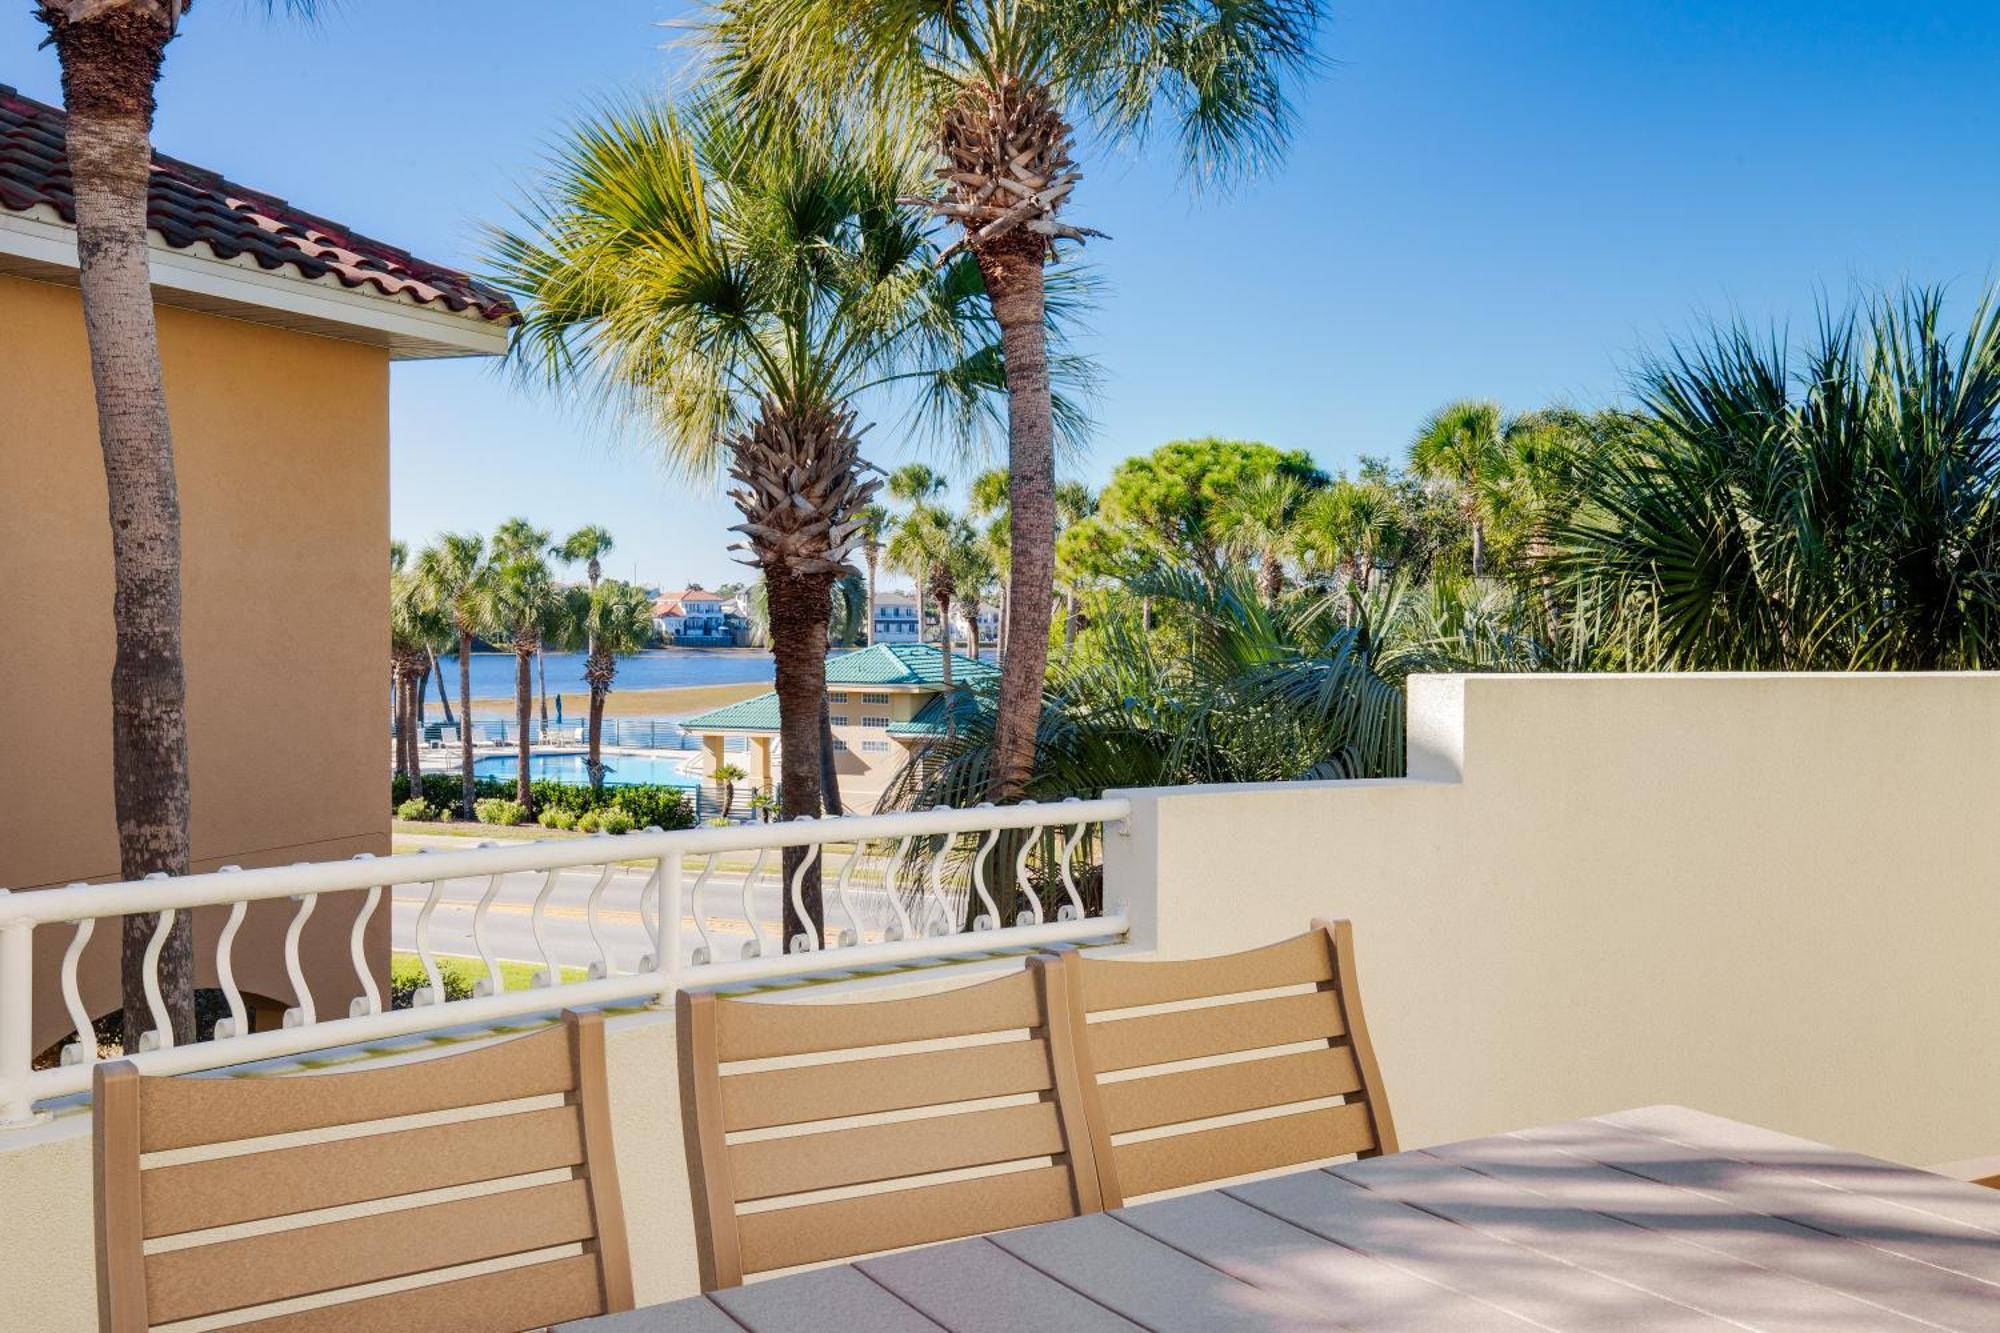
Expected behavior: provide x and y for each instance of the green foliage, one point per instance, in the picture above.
(555, 818)
(1162, 507)
(614, 820)
(499, 810)
(441, 790)
(655, 806)
(1837, 511)
(407, 977)
(590, 821)
(416, 809)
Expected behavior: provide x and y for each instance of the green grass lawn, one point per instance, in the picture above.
(513, 976)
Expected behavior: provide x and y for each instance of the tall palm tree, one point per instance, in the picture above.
(517, 538)
(111, 52)
(973, 569)
(1259, 521)
(414, 626)
(916, 548)
(586, 546)
(1350, 527)
(1463, 445)
(997, 84)
(738, 287)
(454, 574)
(515, 603)
(875, 520)
(616, 620)
(1075, 502)
(917, 486)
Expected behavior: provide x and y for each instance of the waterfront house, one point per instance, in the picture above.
(692, 617)
(895, 618)
(278, 331)
(883, 703)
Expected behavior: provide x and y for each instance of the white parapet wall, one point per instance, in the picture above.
(1776, 898)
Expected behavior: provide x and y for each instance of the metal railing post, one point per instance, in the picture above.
(17, 1021)
(673, 907)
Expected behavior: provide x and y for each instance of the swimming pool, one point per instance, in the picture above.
(625, 770)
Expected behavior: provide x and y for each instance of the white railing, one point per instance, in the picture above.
(900, 895)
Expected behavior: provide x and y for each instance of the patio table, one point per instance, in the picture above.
(1662, 1218)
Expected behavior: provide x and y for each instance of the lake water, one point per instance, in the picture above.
(625, 770)
(656, 669)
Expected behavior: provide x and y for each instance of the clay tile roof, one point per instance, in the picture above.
(188, 204)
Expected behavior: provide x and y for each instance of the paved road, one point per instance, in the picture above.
(510, 923)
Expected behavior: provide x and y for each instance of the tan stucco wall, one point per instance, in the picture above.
(1775, 898)
(282, 453)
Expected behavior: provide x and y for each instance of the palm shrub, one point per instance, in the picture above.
(1834, 506)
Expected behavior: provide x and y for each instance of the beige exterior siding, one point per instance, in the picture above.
(282, 453)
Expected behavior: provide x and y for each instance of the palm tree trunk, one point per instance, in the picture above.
(524, 715)
(798, 647)
(872, 557)
(1069, 617)
(972, 626)
(1271, 578)
(944, 639)
(829, 768)
(1478, 547)
(1014, 283)
(465, 782)
(110, 62)
(413, 733)
(444, 700)
(423, 685)
(542, 670)
(596, 761)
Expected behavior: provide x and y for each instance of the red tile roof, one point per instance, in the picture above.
(188, 204)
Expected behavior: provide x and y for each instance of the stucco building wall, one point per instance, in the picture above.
(282, 452)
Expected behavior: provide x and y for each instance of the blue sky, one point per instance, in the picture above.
(1496, 200)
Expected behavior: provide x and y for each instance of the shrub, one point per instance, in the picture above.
(614, 819)
(407, 977)
(590, 822)
(557, 818)
(499, 810)
(441, 790)
(416, 808)
(655, 807)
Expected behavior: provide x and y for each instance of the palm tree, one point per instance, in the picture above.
(1351, 526)
(917, 548)
(726, 777)
(414, 626)
(1463, 446)
(515, 604)
(973, 569)
(1259, 521)
(997, 83)
(738, 286)
(916, 486)
(454, 574)
(617, 620)
(874, 527)
(1075, 502)
(521, 540)
(587, 546)
(111, 52)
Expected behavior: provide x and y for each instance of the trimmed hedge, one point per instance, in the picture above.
(645, 806)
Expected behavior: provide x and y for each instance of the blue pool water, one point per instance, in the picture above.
(625, 770)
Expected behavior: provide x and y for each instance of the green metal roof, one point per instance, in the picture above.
(958, 706)
(906, 664)
(885, 664)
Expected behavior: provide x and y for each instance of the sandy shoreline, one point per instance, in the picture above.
(672, 702)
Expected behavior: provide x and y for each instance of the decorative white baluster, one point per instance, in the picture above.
(705, 951)
(848, 938)
(602, 967)
(305, 1014)
(549, 972)
(754, 946)
(990, 918)
(369, 1002)
(161, 1037)
(1073, 911)
(673, 910)
(238, 1022)
(650, 917)
(937, 918)
(892, 882)
(1033, 915)
(82, 1051)
(434, 992)
(492, 983)
(807, 940)
(17, 1022)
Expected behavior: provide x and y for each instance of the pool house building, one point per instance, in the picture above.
(882, 701)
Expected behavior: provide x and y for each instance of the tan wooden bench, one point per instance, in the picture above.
(1288, 1019)
(792, 1119)
(141, 1201)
